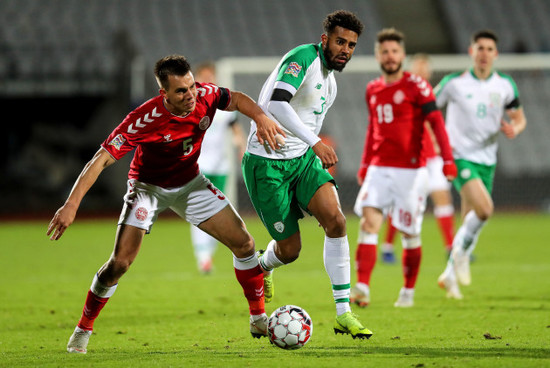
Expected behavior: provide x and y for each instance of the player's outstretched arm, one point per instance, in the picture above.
(267, 129)
(66, 214)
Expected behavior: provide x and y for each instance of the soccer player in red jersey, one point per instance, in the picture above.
(439, 187)
(393, 174)
(166, 133)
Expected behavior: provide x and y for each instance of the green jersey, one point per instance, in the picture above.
(475, 109)
(303, 73)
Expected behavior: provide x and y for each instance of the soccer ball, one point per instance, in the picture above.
(290, 327)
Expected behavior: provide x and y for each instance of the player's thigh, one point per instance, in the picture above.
(228, 227)
(376, 190)
(371, 220)
(128, 242)
(476, 197)
(411, 190)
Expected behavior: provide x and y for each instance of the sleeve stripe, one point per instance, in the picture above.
(225, 98)
(429, 107)
(281, 95)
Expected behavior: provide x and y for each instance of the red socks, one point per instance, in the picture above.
(411, 265)
(252, 282)
(365, 258)
(94, 304)
(446, 225)
(390, 232)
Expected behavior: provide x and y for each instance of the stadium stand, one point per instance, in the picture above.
(55, 53)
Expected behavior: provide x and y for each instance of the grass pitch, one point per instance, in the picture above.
(166, 314)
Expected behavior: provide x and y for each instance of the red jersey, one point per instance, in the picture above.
(397, 113)
(167, 146)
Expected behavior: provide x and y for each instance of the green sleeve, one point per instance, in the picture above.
(294, 66)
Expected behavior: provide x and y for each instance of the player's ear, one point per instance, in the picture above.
(324, 40)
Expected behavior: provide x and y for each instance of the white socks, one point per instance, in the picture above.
(337, 264)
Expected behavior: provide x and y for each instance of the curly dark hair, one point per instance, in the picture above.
(344, 19)
(171, 65)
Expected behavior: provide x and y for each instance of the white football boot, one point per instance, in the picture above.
(461, 263)
(405, 299)
(258, 325)
(447, 281)
(78, 341)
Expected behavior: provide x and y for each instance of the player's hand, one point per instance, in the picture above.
(508, 129)
(449, 170)
(267, 130)
(61, 221)
(326, 154)
(361, 173)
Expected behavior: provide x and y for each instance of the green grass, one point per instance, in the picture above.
(165, 314)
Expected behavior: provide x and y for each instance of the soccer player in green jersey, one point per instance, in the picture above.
(476, 100)
(283, 182)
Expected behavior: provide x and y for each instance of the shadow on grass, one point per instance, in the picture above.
(350, 352)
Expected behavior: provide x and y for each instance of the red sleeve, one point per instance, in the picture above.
(121, 141)
(367, 148)
(435, 118)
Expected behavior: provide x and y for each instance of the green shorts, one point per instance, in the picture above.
(281, 189)
(217, 180)
(468, 170)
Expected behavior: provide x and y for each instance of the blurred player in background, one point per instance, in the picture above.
(438, 185)
(167, 133)
(392, 173)
(214, 162)
(293, 178)
(476, 100)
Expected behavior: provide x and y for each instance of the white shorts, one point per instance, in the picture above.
(437, 181)
(399, 192)
(196, 202)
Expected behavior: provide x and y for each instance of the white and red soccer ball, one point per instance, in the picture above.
(289, 327)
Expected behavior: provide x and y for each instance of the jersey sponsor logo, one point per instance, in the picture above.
(207, 89)
(147, 118)
(204, 123)
(117, 141)
(279, 226)
(398, 97)
(293, 69)
(318, 86)
(141, 213)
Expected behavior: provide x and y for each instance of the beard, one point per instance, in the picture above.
(329, 56)
(389, 71)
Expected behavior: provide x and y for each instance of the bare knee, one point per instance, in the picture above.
(242, 247)
(485, 211)
(113, 270)
(288, 250)
(335, 227)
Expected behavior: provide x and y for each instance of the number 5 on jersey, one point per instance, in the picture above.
(187, 146)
